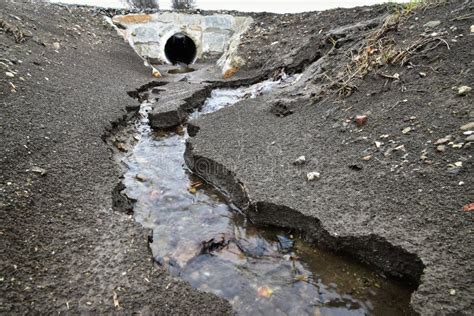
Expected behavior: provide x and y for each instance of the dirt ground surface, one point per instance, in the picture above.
(394, 191)
(386, 195)
(62, 246)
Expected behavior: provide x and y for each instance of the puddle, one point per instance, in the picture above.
(202, 238)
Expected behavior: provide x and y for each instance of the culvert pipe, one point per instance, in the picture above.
(180, 49)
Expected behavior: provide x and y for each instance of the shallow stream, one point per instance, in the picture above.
(199, 236)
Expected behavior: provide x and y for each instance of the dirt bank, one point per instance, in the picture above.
(393, 186)
(62, 247)
(386, 194)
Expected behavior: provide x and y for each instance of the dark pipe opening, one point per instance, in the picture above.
(180, 49)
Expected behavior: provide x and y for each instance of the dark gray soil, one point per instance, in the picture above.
(400, 208)
(62, 247)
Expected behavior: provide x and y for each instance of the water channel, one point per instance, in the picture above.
(199, 236)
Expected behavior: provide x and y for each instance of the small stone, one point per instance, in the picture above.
(301, 160)
(422, 74)
(141, 177)
(406, 130)
(452, 292)
(456, 165)
(441, 148)
(311, 176)
(56, 45)
(156, 73)
(463, 90)
(432, 24)
(121, 147)
(443, 140)
(458, 146)
(472, 28)
(378, 144)
(10, 74)
(360, 120)
(367, 158)
(468, 126)
(470, 138)
(39, 170)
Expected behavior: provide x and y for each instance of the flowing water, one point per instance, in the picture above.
(199, 236)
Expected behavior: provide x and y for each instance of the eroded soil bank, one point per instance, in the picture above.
(386, 194)
(384, 122)
(198, 236)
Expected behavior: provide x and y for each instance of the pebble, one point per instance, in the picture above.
(422, 74)
(468, 126)
(452, 292)
(56, 45)
(360, 120)
(463, 90)
(9, 74)
(39, 170)
(406, 130)
(311, 176)
(141, 177)
(300, 160)
(441, 148)
(470, 138)
(443, 140)
(432, 24)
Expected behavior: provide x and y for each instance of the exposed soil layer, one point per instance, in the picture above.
(387, 193)
(62, 246)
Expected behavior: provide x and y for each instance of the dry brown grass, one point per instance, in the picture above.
(379, 49)
(14, 31)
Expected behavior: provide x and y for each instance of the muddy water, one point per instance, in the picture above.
(200, 237)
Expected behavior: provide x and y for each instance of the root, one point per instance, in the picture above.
(403, 56)
(381, 50)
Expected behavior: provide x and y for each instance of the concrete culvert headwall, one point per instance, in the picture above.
(172, 37)
(180, 48)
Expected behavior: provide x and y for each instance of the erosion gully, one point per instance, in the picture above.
(201, 237)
